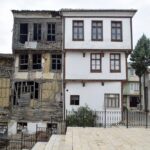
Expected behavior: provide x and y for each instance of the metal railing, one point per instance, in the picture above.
(25, 141)
(108, 119)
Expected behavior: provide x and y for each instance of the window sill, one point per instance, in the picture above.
(77, 40)
(96, 40)
(113, 71)
(33, 70)
(116, 40)
(96, 71)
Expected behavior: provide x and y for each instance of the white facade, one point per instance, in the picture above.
(92, 94)
(78, 67)
(106, 43)
(92, 88)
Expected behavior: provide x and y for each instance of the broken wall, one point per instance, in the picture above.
(42, 44)
(4, 92)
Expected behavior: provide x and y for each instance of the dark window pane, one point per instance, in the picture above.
(97, 30)
(37, 31)
(74, 100)
(36, 61)
(23, 32)
(56, 62)
(114, 62)
(78, 31)
(116, 31)
(23, 62)
(23, 28)
(51, 32)
(96, 62)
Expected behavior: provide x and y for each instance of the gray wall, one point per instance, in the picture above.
(43, 44)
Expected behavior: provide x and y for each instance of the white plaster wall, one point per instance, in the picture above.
(92, 94)
(78, 67)
(106, 43)
(31, 126)
(12, 127)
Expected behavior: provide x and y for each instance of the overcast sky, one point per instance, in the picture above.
(141, 21)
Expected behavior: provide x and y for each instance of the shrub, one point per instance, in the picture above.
(82, 117)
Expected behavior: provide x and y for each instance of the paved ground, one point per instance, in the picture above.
(119, 138)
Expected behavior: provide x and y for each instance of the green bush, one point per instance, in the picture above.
(83, 117)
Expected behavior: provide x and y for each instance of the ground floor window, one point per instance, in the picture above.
(112, 100)
(134, 101)
(21, 126)
(74, 99)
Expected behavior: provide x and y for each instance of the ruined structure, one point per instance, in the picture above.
(37, 92)
(6, 70)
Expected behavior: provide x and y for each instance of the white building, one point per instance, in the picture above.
(131, 90)
(96, 46)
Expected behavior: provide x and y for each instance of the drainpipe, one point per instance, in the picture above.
(63, 68)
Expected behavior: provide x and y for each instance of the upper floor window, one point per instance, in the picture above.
(36, 61)
(116, 31)
(97, 30)
(132, 72)
(115, 62)
(23, 32)
(134, 86)
(78, 30)
(112, 101)
(56, 62)
(23, 62)
(74, 100)
(37, 32)
(95, 62)
(51, 32)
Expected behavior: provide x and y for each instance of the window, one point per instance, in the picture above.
(23, 32)
(112, 100)
(134, 101)
(116, 31)
(36, 64)
(37, 32)
(51, 32)
(74, 100)
(97, 30)
(115, 63)
(95, 62)
(56, 62)
(134, 86)
(78, 30)
(23, 62)
(132, 72)
(23, 88)
(21, 126)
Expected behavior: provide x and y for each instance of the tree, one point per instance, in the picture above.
(140, 57)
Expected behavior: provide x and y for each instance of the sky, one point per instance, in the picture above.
(141, 20)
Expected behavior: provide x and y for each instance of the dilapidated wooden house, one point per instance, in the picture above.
(37, 84)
